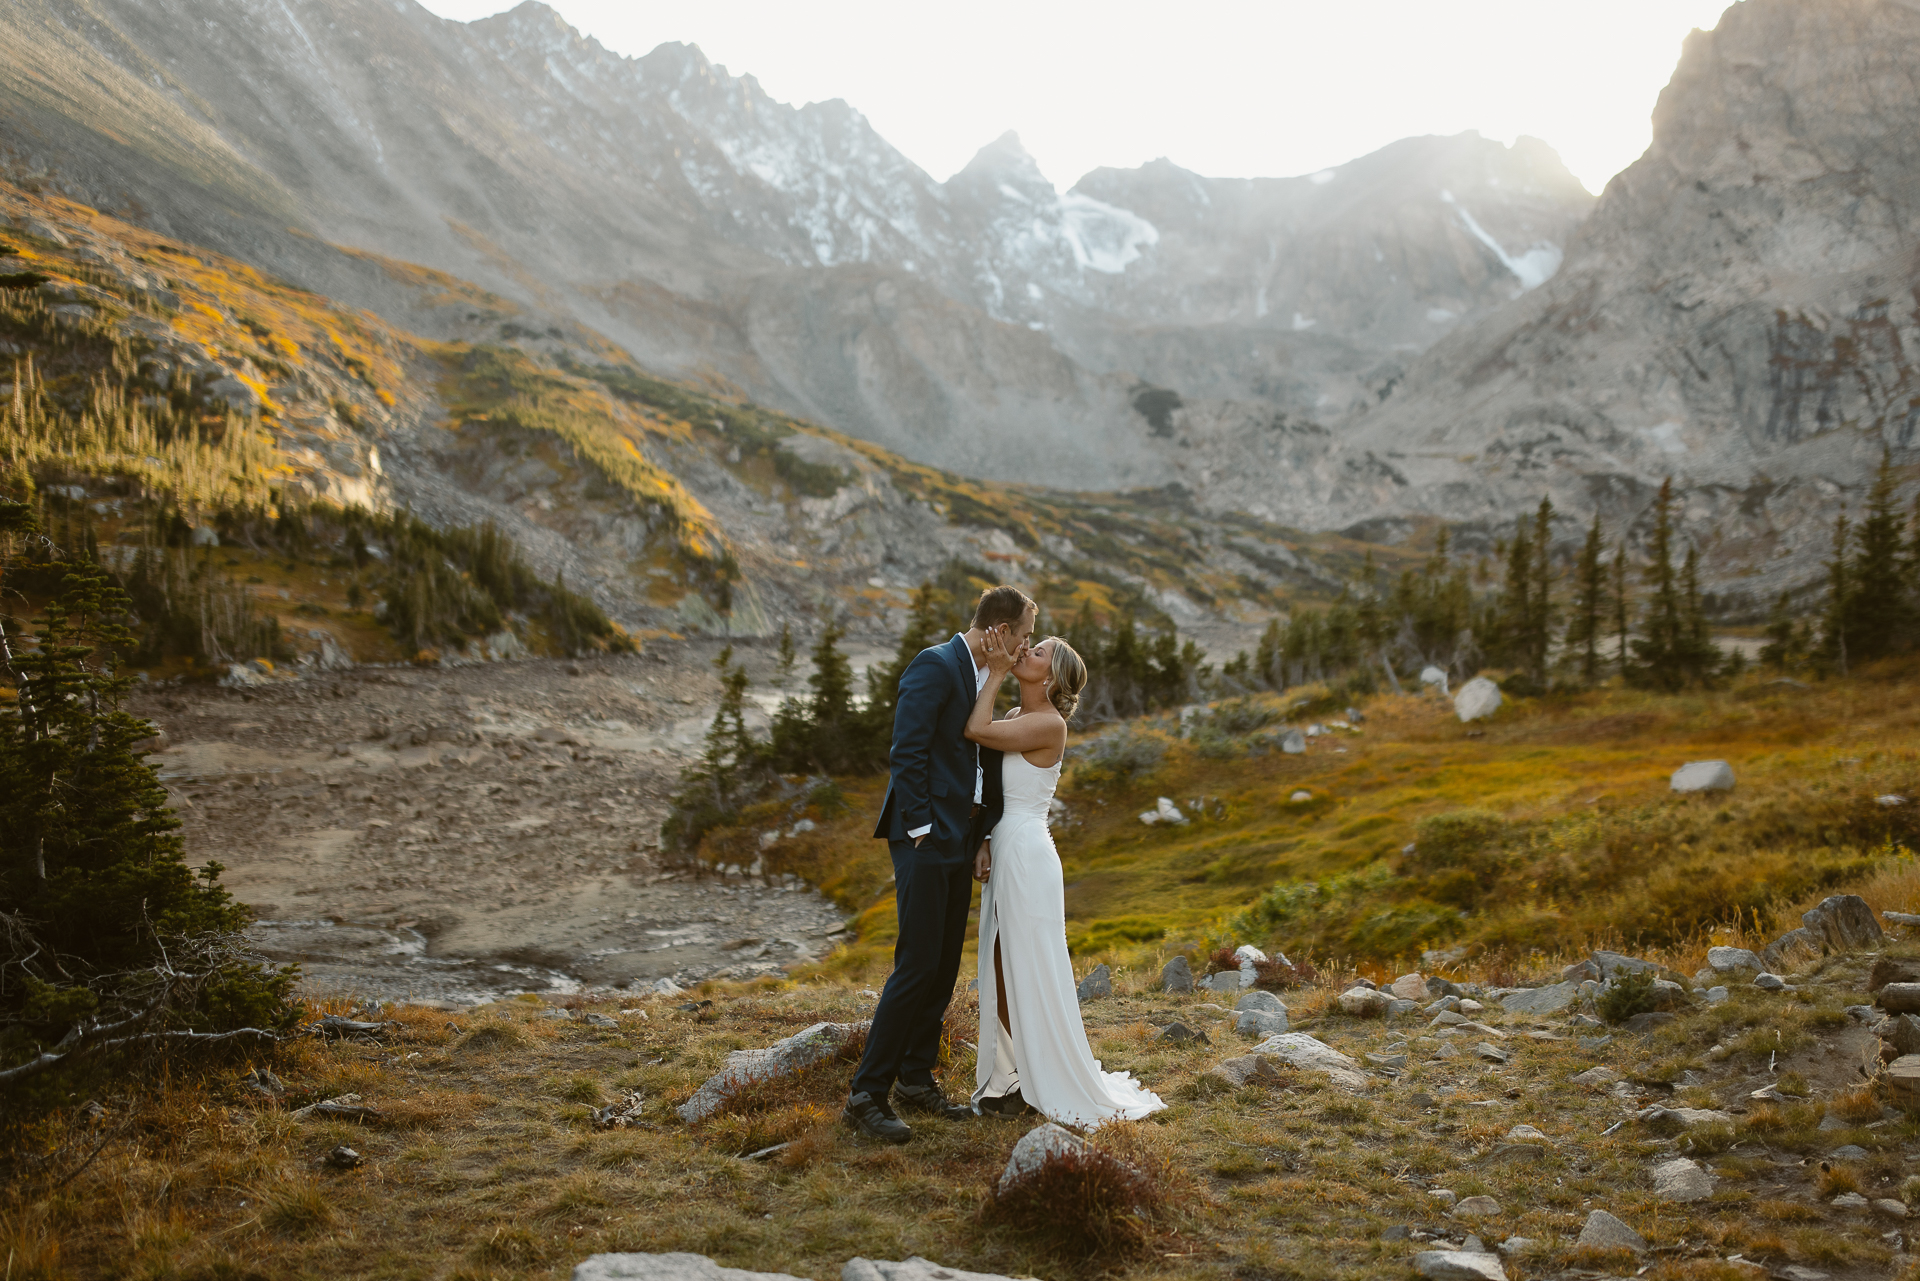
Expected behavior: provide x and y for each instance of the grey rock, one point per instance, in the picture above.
(1491, 1053)
(1446, 1004)
(1177, 1031)
(1611, 963)
(1849, 1201)
(1409, 987)
(1176, 976)
(1458, 1265)
(1775, 955)
(1899, 998)
(1902, 1032)
(1845, 923)
(1725, 959)
(1437, 986)
(1680, 1118)
(1516, 1245)
(912, 1269)
(1447, 1018)
(1595, 1076)
(1395, 1062)
(803, 1049)
(1265, 1002)
(1890, 1208)
(1851, 1152)
(1648, 1021)
(1516, 1154)
(664, 1267)
(1715, 995)
(1681, 1180)
(1603, 1231)
(1667, 995)
(1033, 1149)
(1703, 776)
(599, 1020)
(1365, 1002)
(1478, 699)
(1540, 1000)
(1259, 1023)
(1475, 1207)
(1769, 982)
(1311, 1054)
(1247, 1067)
(1293, 742)
(1225, 981)
(1098, 983)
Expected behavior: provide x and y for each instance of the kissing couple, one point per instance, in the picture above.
(967, 798)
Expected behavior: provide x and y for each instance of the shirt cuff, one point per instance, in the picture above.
(919, 832)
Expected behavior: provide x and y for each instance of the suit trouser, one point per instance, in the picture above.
(932, 897)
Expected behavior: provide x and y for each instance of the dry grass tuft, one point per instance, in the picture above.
(491, 1038)
(1112, 1202)
(1789, 1212)
(297, 1208)
(512, 1246)
(1860, 1104)
(1832, 1180)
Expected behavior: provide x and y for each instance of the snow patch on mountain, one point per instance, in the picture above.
(1533, 268)
(1104, 237)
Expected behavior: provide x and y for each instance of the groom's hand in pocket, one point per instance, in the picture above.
(983, 862)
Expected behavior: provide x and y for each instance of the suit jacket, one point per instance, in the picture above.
(931, 764)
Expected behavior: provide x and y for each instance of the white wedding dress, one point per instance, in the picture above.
(1023, 909)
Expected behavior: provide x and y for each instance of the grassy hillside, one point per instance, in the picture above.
(1549, 828)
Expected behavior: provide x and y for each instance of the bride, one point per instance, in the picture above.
(1033, 1046)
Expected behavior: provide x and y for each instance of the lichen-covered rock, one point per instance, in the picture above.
(1681, 1180)
(1844, 923)
(1602, 1231)
(1365, 1002)
(1540, 1000)
(1176, 976)
(1314, 1055)
(1726, 960)
(1703, 776)
(802, 1050)
(913, 1269)
(665, 1267)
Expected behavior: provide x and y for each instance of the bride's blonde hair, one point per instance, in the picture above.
(1067, 678)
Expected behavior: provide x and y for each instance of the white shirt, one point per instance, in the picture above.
(979, 771)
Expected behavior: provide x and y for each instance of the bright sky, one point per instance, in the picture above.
(1228, 88)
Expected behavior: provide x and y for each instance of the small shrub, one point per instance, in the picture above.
(1831, 1180)
(583, 1089)
(1464, 838)
(1119, 758)
(1087, 1206)
(1630, 993)
(491, 1039)
(1276, 975)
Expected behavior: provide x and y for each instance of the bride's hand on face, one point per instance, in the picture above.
(1002, 654)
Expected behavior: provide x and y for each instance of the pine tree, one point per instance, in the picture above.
(1878, 613)
(1622, 605)
(1697, 657)
(1539, 626)
(1516, 602)
(787, 654)
(926, 618)
(1833, 632)
(1662, 643)
(1781, 651)
(1589, 605)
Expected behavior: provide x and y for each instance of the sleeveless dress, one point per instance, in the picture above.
(1023, 908)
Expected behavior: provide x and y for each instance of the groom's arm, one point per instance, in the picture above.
(916, 711)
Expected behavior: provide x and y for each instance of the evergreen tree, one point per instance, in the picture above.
(1782, 651)
(1878, 613)
(926, 625)
(1268, 666)
(1697, 656)
(1833, 633)
(1516, 602)
(787, 654)
(1539, 605)
(1589, 605)
(1622, 606)
(1662, 643)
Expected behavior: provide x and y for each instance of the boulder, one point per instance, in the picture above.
(1164, 811)
(1224, 981)
(1478, 699)
(1595, 1076)
(1247, 1067)
(1033, 1149)
(1259, 1023)
(1476, 1207)
(664, 1267)
(1602, 1231)
(1265, 1002)
(1726, 960)
(1889, 1208)
(1178, 1032)
(913, 1269)
(1491, 1053)
(1246, 956)
(1177, 976)
(1899, 998)
(1611, 963)
(1889, 970)
(1433, 678)
(1410, 987)
(1680, 1118)
(1681, 1180)
(1540, 1000)
(1703, 776)
(1648, 1021)
(1901, 1034)
(1458, 1265)
(1771, 983)
(1777, 954)
(1314, 1055)
(1098, 983)
(1844, 923)
(802, 1050)
(1365, 1002)
(1667, 995)
(1293, 742)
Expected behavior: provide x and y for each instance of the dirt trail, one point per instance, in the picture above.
(459, 833)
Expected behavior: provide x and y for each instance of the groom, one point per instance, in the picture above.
(943, 798)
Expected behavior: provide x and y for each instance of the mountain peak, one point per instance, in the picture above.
(1005, 160)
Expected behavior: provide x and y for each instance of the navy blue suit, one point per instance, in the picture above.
(931, 777)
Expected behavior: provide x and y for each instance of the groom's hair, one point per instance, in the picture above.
(999, 605)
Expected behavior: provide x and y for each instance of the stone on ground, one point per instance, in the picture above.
(1845, 923)
(1476, 1207)
(1892, 970)
(912, 1269)
(1899, 998)
(1703, 776)
(1293, 742)
(664, 1267)
(1770, 983)
(1648, 1021)
(1033, 1149)
(1902, 1033)
(1458, 1265)
(1410, 987)
(1177, 976)
(1478, 699)
(1314, 1055)
(1726, 959)
(1540, 1000)
(1434, 677)
(1265, 1002)
(802, 1050)
(1225, 981)
(1890, 1208)
(1611, 963)
(1098, 983)
(1602, 1231)
(1248, 1067)
(1684, 1117)
(1258, 1023)
(1491, 1053)
(1776, 955)
(1595, 1076)
(1365, 1002)
(1681, 1180)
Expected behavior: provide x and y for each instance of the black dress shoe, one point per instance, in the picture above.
(874, 1121)
(1009, 1104)
(927, 1100)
